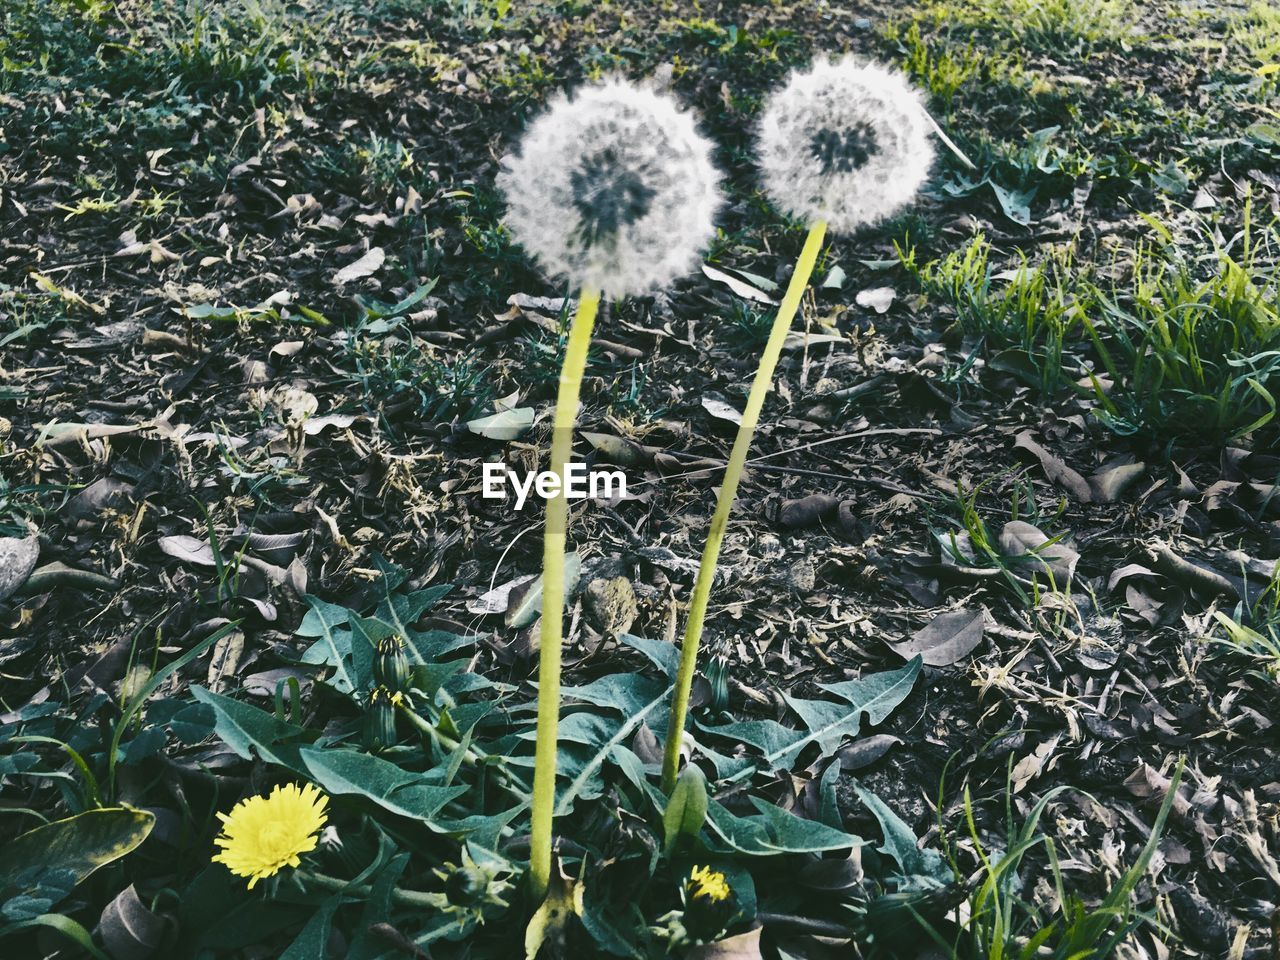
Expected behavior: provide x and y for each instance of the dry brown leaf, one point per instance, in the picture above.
(224, 660)
(188, 549)
(367, 265)
(1109, 485)
(865, 751)
(103, 494)
(58, 574)
(740, 287)
(56, 434)
(498, 599)
(1035, 763)
(1055, 469)
(129, 929)
(1147, 782)
(807, 511)
(1021, 539)
(947, 638)
(721, 410)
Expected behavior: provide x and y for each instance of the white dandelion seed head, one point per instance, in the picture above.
(845, 141)
(612, 188)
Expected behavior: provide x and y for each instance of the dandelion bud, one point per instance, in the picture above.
(390, 665)
(845, 142)
(612, 189)
(466, 887)
(471, 885)
(380, 719)
(709, 903)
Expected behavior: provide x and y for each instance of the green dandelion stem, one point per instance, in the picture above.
(413, 899)
(551, 630)
(472, 757)
(724, 502)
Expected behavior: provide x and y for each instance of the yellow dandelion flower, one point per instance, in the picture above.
(708, 883)
(262, 835)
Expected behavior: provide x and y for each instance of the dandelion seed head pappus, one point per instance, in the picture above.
(845, 141)
(612, 188)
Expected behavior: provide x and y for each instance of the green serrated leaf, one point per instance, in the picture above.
(663, 654)
(827, 723)
(312, 941)
(248, 730)
(921, 869)
(775, 831)
(328, 621)
(1016, 204)
(636, 697)
(366, 946)
(483, 830)
(150, 687)
(427, 646)
(365, 634)
(403, 610)
(413, 299)
(1172, 179)
(392, 574)
(348, 772)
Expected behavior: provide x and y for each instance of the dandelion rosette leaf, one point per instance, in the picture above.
(845, 142)
(613, 189)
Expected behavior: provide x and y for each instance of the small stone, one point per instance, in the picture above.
(17, 560)
(611, 604)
